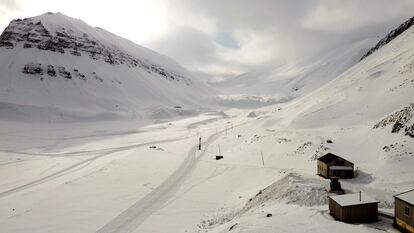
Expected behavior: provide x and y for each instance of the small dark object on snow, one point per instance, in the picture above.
(218, 157)
(329, 141)
(152, 147)
(268, 215)
(177, 106)
(231, 228)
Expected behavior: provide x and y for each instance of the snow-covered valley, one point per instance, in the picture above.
(63, 171)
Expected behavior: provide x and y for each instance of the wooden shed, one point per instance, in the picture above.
(404, 211)
(353, 208)
(331, 165)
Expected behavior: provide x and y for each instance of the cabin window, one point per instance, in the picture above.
(407, 211)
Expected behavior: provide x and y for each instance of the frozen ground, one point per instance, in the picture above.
(106, 178)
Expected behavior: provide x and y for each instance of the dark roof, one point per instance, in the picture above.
(330, 157)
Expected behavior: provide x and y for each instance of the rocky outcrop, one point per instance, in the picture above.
(401, 121)
(391, 36)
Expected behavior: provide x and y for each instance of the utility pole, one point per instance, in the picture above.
(199, 143)
(219, 149)
(262, 158)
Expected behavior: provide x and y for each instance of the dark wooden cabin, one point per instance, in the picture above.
(404, 211)
(353, 208)
(331, 165)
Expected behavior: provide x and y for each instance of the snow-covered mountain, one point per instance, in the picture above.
(391, 36)
(55, 67)
(286, 81)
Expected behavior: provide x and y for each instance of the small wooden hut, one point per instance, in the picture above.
(353, 208)
(331, 165)
(404, 211)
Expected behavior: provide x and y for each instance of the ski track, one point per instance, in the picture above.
(135, 215)
(74, 167)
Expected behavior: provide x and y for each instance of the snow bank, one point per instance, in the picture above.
(292, 189)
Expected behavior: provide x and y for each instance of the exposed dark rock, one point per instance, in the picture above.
(51, 71)
(79, 74)
(62, 72)
(233, 226)
(409, 131)
(33, 68)
(401, 120)
(34, 34)
(6, 44)
(75, 52)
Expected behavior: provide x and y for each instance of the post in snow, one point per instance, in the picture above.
(199, 143)
(262, 158)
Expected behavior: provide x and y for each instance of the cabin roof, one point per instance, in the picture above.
(406, 196)
(353, 199)
(330, 157)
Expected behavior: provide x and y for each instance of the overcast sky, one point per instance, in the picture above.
(228, 37)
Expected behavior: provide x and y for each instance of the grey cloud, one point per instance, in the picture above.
(188, 45)
(289, 29)
(9, 4)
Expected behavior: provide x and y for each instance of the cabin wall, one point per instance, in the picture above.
(354, 214)
(360, 213)
(335, 209)
(402, 221)
(322, 169)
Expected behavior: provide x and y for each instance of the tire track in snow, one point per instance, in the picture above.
(135, 215)
(74, 167)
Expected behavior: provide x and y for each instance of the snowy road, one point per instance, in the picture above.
(131, 218)
(82, 163)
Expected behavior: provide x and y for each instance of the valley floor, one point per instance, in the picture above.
(125, 177)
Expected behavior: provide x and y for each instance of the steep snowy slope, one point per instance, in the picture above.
(58, 67)
(391, 36)
(377, 86)
(289, 81)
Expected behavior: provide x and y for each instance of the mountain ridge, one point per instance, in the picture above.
(390, 36)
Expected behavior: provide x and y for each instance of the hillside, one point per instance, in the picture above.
(365, 115)
(58, 68)
(285, 82)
